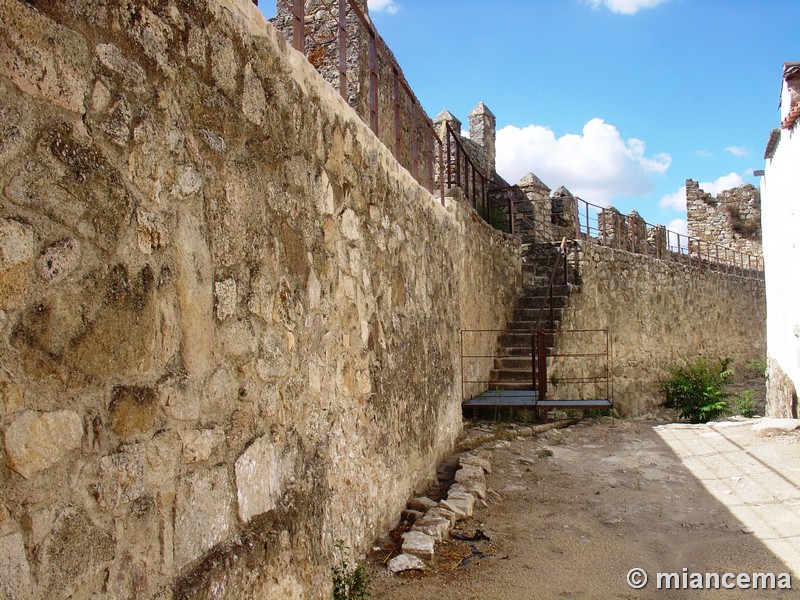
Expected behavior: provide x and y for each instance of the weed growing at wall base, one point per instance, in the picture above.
(696, 390)
(745, 403)
(350, 581)
(758, 365)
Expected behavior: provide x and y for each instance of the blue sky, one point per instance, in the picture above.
(618, 100)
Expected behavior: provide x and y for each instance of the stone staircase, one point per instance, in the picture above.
(511, 380)
(513, 368)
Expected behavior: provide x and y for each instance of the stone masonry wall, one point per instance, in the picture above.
(653, 309)
(322, 48)
(781, 392)
(732, 218)
(230, 320)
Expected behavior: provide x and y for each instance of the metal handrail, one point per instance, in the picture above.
(469, 168)
(421, 123)
(540, 356)
(548, 297)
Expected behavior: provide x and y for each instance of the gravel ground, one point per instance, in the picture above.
(570, 512)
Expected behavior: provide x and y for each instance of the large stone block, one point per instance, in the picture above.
(219, 396)
(433, 525)
(132, 410)
(115, 63)
(461, 501)
(195, 293)
(43, 58)
(12, 397)
(238, 338)
(260, 475)
(162, 458)
(59, 260)
(121, 478)
(469, 473)
(419, 544)
(405, 562)
(15, 573)
(226, 297)
(103, 327)
(16, 123)
(253, 96)
(476, 461)
(34, 441)
(198, 445)
(203, 513)
(75, 550)
(16, 243)
(16, 254)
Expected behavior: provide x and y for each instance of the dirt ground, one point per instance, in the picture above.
(569, 513)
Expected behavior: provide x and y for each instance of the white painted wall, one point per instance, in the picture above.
(780, 218)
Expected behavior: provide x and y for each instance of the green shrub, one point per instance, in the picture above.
(745, 403)
(350, 581)
(499, 219)
(696, 390)
(758, 365)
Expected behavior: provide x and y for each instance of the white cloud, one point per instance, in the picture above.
(737, 150)
(382, 6)
(726, 182)
(677, 200)
(625, 7)
(678, 226)
(597, 164)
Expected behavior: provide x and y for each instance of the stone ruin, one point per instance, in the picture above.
(730, 219)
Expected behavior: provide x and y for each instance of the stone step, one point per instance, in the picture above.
(512, 340)
(511, 385)
(532, 314)
(542, 316)
(532, 303)
(513, 351)
(510, 376)
(536, 281)
(513, 362)
(537, 302)
(542, 290)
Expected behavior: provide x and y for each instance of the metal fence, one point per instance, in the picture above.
(607, 227)
(439, 160)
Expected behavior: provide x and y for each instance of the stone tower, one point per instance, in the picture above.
(483, 131)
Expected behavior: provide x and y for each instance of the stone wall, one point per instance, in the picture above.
(230, 320)
(731, 219)
(781, 391)
(659, 313)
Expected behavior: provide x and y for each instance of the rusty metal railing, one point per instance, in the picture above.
(479, 346)
(425, 147)
(590, 345)
(459, 170)
(546, 304)
(437, 161)
(607, 227)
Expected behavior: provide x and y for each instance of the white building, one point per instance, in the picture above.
(780, 219)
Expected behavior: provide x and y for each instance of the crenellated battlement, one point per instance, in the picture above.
(732, 218)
